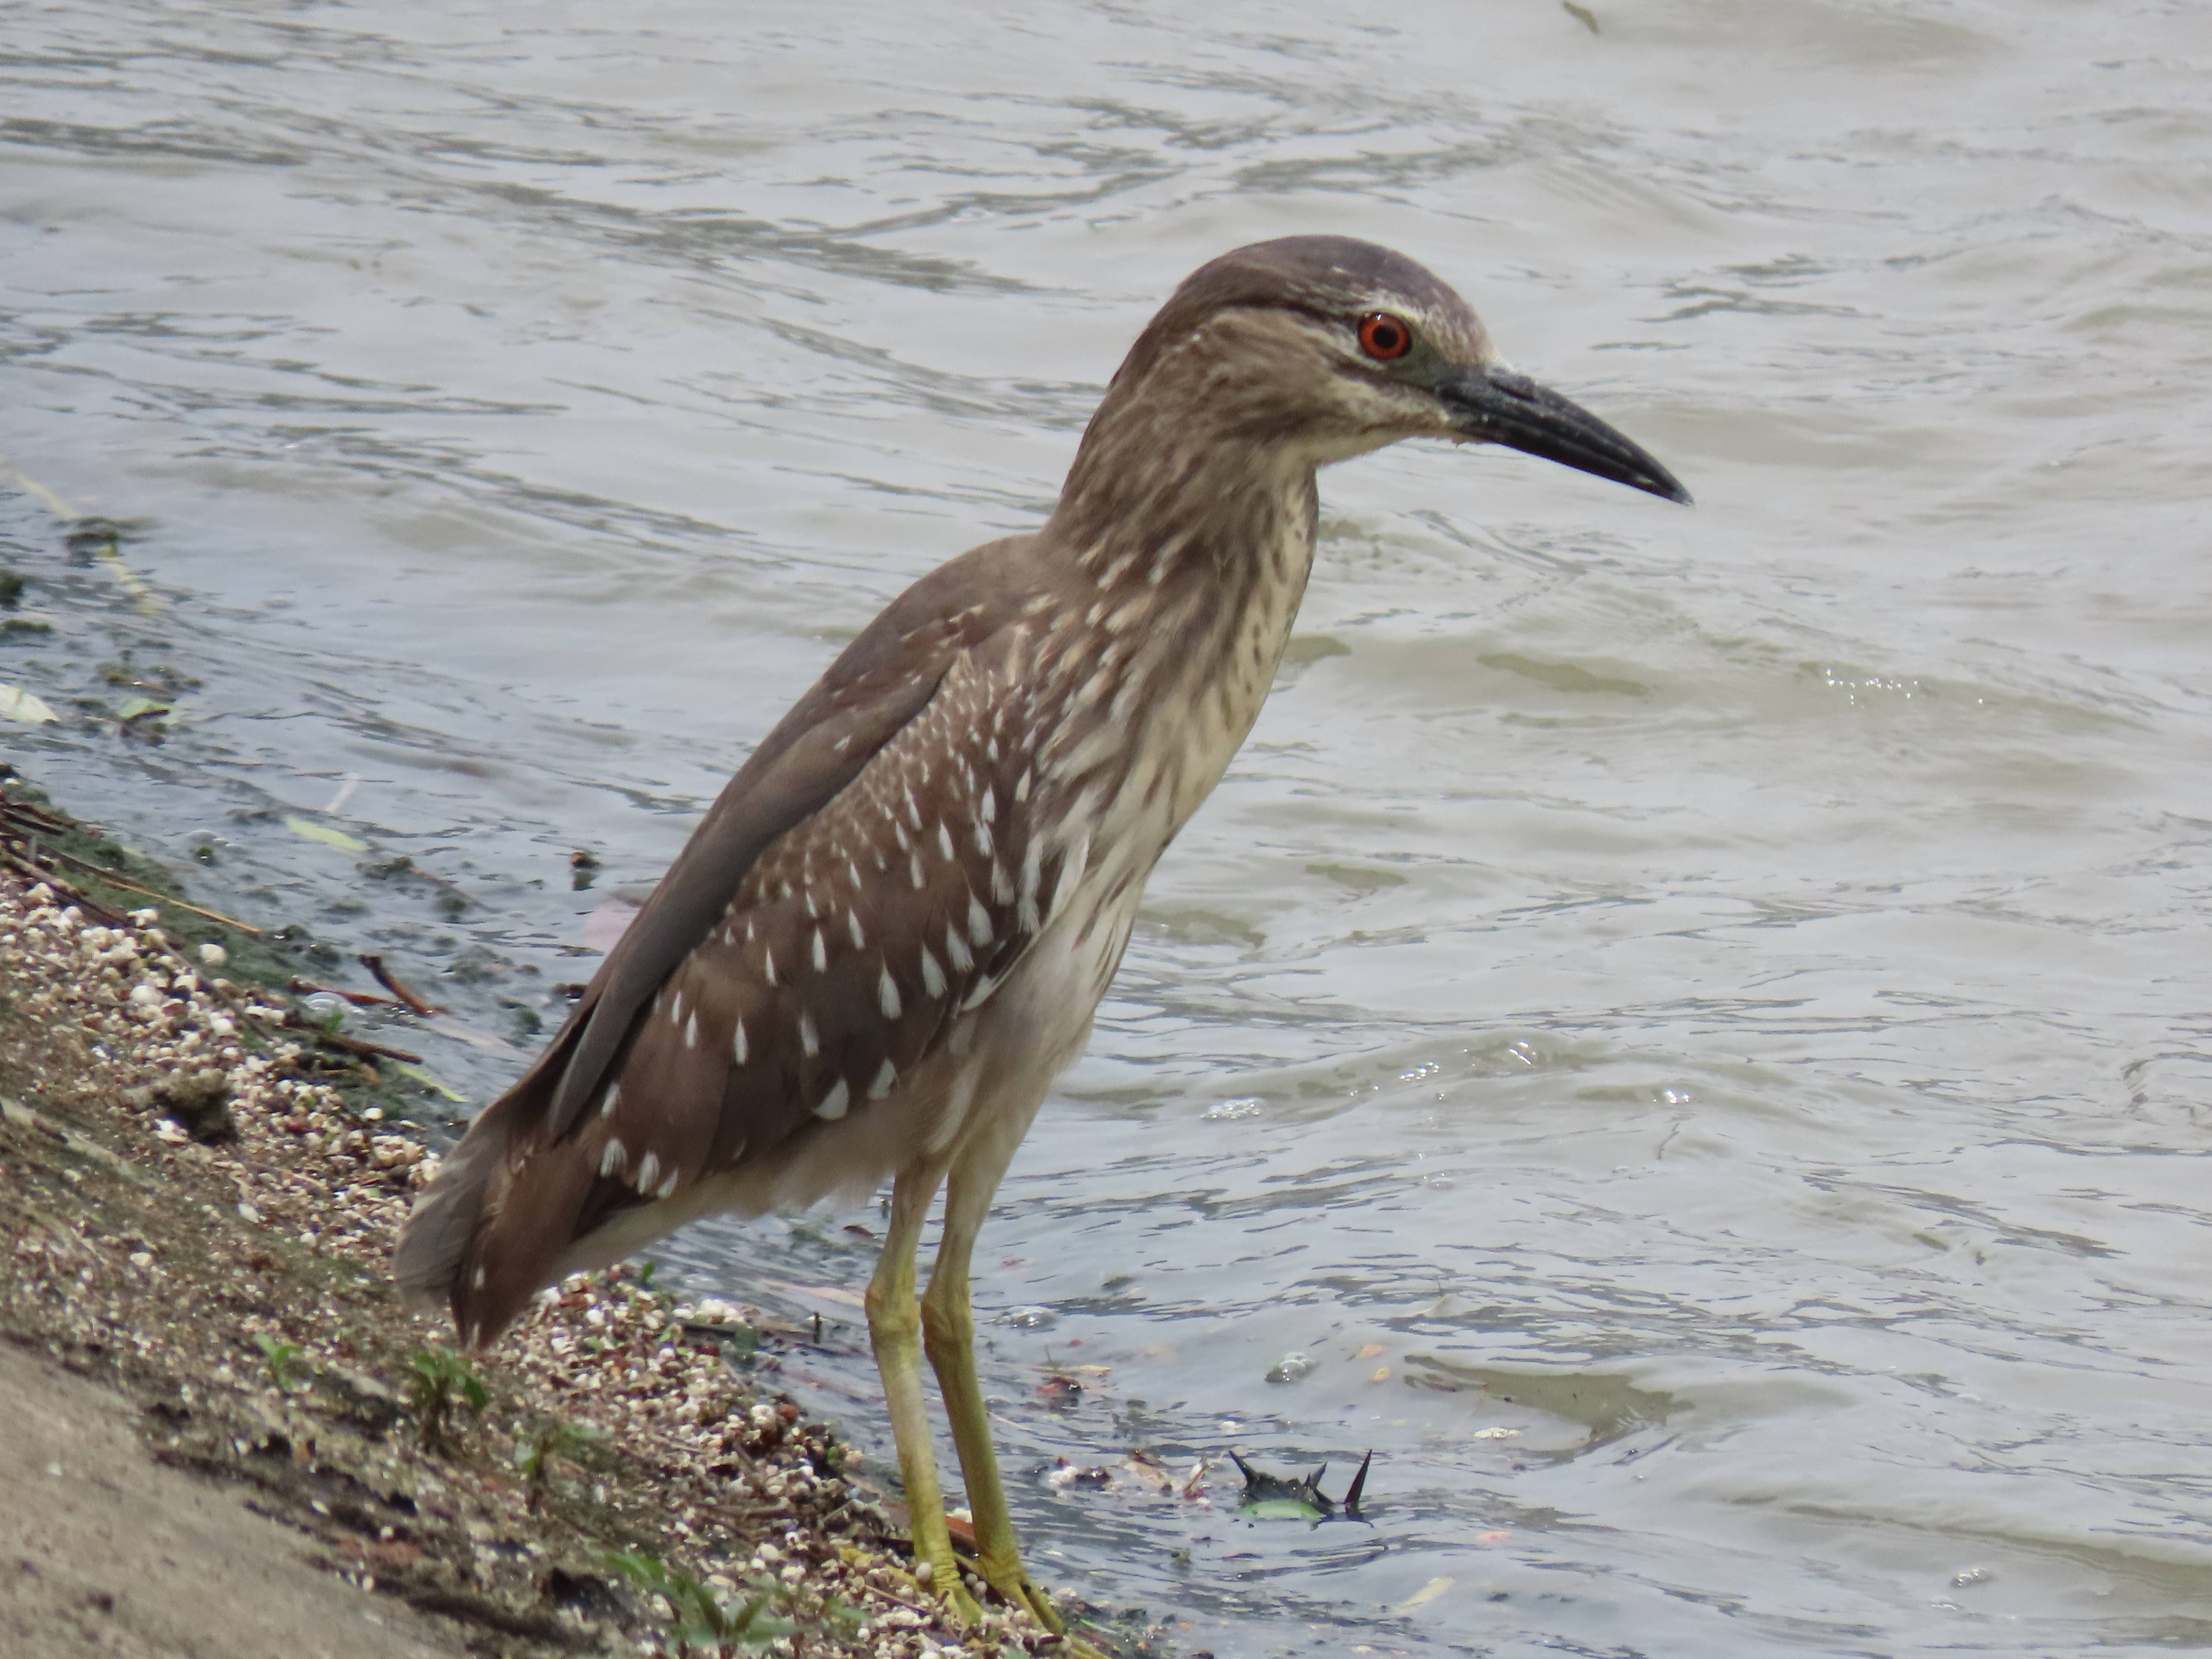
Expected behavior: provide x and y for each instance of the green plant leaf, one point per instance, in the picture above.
(324, 833)
(429, 1082)
(1280, 1509)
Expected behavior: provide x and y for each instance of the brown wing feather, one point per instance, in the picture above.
(848, 951)
(657, 1032)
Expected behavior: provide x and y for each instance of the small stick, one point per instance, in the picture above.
(349, 1045)
(307, 987)
(391, 982)
(23, 809)
(114, 880)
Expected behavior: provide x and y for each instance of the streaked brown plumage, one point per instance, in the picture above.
(891, 931)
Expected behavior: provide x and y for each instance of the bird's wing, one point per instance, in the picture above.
(864, 875)
(847, 953)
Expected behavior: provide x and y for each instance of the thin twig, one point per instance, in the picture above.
(391, 982)
(350, 1045)
(114, 880)
(23, 809)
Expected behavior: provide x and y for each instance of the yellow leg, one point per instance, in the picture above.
(893, 1328)
(949, 1333)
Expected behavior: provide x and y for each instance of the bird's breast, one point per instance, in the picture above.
(1148, 702)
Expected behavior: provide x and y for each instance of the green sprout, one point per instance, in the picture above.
(704, 1623)
(280, 1357)
(442, 1381)
(552, 1440)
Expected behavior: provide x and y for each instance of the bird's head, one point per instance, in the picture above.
(1331, 347)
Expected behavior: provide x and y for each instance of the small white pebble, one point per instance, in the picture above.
(214, 956)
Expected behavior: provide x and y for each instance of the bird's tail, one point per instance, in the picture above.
(436, 1237)
(494, 1224)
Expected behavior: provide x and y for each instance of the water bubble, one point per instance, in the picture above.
(1972, 1576)
(1224, 1111)
(326, 1008)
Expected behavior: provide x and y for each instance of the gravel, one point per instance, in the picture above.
(192, 1210)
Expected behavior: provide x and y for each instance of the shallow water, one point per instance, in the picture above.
(1695, 1023)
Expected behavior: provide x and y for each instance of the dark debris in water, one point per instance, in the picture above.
(1280, 1498)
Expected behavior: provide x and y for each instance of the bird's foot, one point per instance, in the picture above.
(946, 1585)
(1015, 1589)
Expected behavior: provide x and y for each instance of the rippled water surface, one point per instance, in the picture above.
(1695, 1023)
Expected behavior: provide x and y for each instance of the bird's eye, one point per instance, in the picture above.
(1385, 338)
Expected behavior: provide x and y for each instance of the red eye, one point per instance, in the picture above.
(1384, 337)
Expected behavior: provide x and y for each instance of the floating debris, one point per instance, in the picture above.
(1280, 1497)
(1097, 1477)
(17, 704)
(1423, 1596)
(310, 830)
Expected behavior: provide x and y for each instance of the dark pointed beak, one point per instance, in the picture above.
(1497, 406)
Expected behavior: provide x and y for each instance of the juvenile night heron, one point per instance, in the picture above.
(890, 932)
